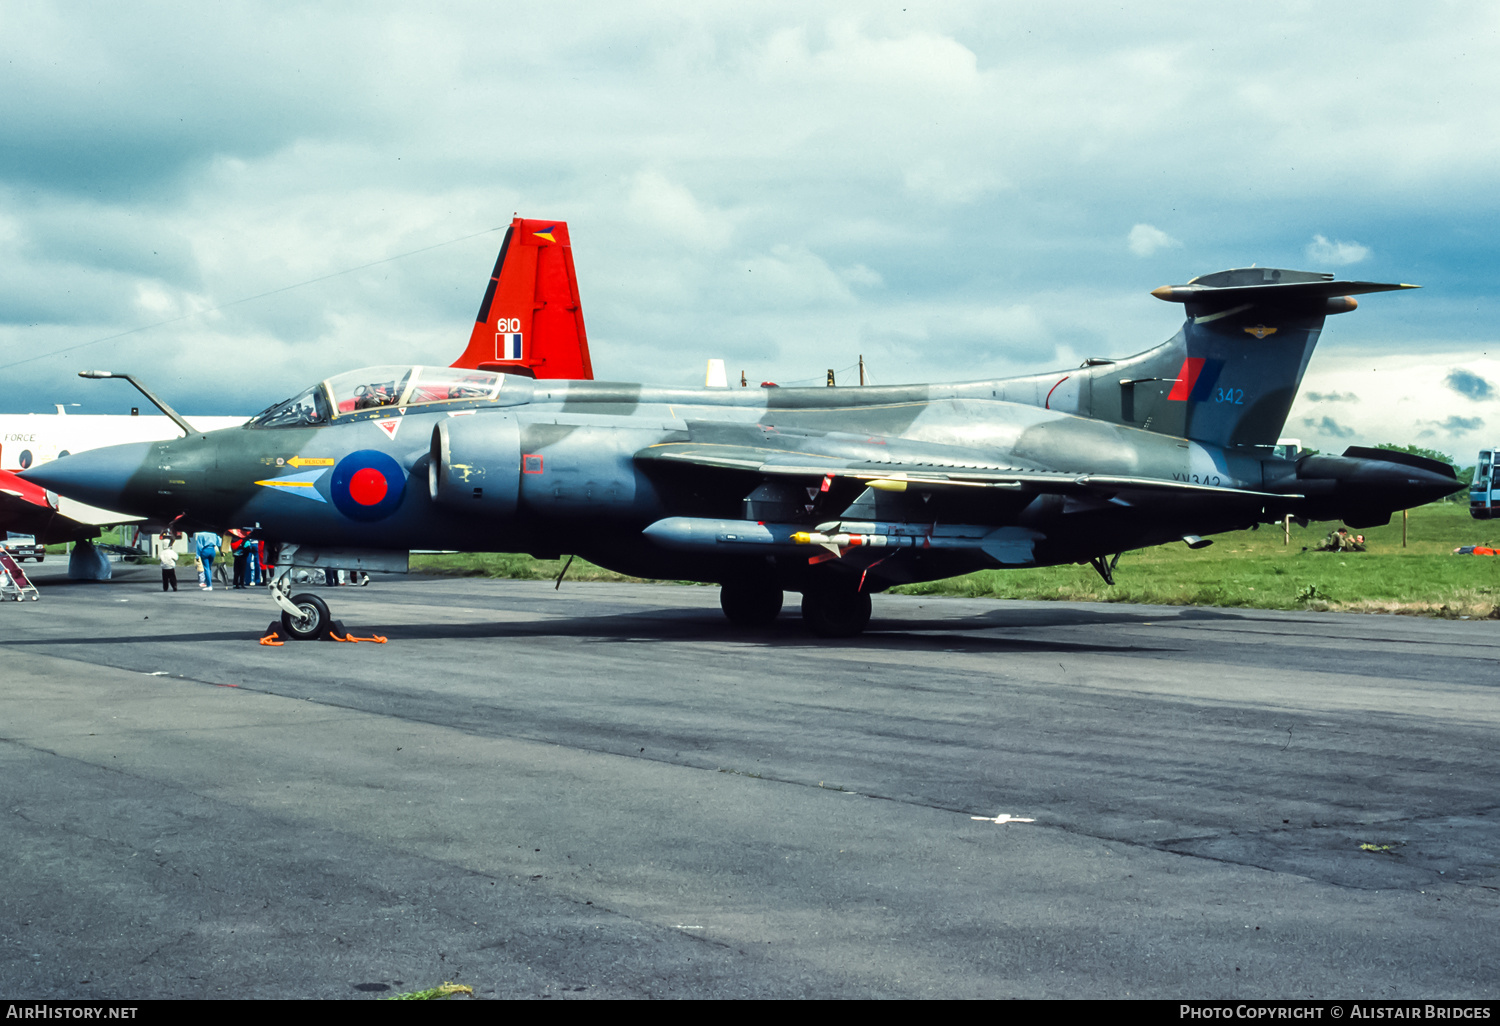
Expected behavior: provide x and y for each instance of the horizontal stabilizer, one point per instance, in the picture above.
(1267, 286)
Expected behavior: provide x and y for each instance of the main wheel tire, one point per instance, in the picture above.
(751, 603)
(314, 621)
(836, 613)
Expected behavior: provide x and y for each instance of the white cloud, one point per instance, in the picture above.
(670, 211)
(788, 277)
(950, 185)
(931, 62)
(1321, 251)
(1404, 400)
(861, 276)
(153, 300)
(1146, 239)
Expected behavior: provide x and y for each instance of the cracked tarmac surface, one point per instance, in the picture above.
(604, 791)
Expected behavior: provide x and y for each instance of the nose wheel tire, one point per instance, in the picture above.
(314, 621)
(836, 613)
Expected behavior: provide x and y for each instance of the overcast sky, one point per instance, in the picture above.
(953, 190)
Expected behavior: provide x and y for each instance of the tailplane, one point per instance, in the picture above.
(531, 320)
(1229, 376)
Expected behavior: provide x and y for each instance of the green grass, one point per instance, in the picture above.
(513, 566)
(1255, 569)
(113, 535)
(1246, 569)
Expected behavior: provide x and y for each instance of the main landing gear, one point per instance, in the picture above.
(830, 610)
(834, 612)
(751, 602)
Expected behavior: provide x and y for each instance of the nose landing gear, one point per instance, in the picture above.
(304, 617)
(312, 621)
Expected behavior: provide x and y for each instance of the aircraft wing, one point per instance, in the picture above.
(901, 476)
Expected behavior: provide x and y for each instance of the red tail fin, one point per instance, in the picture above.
(531, 321)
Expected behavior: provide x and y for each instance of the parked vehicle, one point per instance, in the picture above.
(1482, 491)
(24, 546)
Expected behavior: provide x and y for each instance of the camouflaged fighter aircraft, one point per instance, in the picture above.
(832, 492)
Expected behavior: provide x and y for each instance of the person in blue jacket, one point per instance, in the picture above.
(207, 544)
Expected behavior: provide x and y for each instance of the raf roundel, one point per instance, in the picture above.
(367, 485)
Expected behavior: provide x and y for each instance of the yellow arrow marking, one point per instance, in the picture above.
(306, 461)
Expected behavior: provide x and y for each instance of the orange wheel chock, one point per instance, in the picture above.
(378, 639)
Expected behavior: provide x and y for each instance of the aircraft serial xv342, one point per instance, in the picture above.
(832, 492)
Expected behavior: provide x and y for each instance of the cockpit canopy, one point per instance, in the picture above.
(376, 387)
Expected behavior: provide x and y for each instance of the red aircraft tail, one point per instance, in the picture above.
(531, 321)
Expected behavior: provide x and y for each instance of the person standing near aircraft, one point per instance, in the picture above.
(168, 557)
(207, 544)
(252, 563)
(240, 547)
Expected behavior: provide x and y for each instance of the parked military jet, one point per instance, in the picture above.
(832, 492)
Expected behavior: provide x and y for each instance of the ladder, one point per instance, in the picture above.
(13, 580)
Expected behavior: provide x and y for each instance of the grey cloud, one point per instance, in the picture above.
(1454, 425)
(125, 104)
(1469, 384)
(1328, 426)
(1333, 397)
(104, 237)
(1460, 425)
(47, 293)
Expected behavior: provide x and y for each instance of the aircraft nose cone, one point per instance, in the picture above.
(99, 477)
